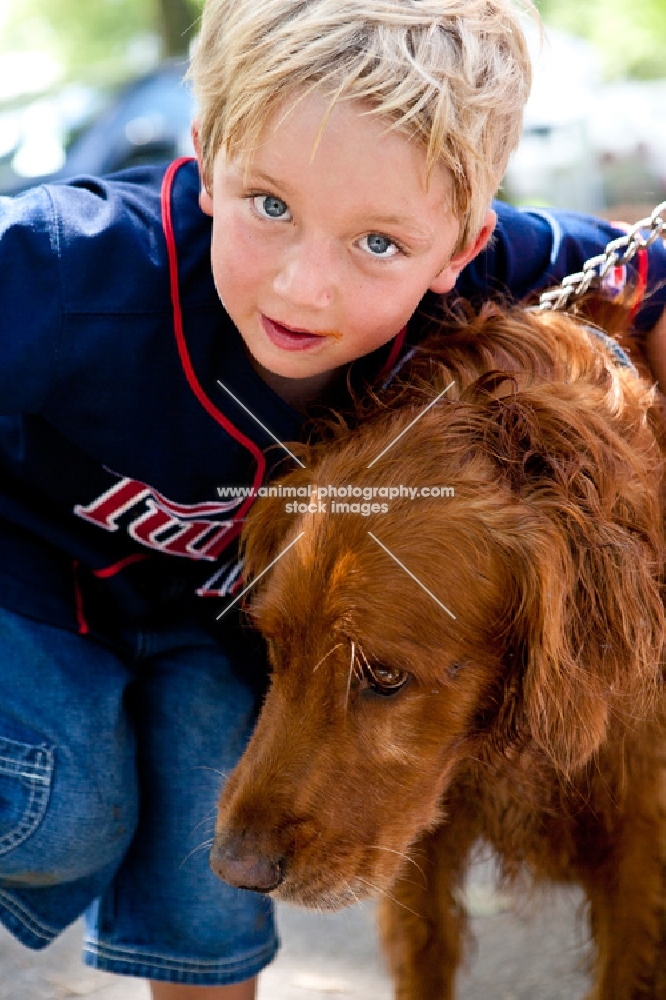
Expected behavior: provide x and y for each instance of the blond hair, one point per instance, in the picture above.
(454, 74)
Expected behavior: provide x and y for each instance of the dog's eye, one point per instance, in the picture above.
(385, 680)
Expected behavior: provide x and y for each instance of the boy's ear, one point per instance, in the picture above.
(205, 199)
(447, 277)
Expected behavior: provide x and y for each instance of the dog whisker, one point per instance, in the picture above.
(351, 672)
(389, 895)
(348, 887)
(357, 665)
(401, 854)
(207, 767)
(325, 657)
(364, 657)
(205, 846)
(207, 819)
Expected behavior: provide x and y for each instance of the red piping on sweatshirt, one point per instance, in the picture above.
(641, 285)
(83, 627)
(642, 266)
(185, 360)
(118, 567)
(396, 347)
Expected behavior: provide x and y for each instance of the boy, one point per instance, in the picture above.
(139, 342)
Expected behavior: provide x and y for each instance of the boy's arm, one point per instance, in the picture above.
(655, 350)
(79, 260)
(30, 297)
(534, 249)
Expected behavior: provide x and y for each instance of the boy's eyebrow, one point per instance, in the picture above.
(415, 233)
(261, 175)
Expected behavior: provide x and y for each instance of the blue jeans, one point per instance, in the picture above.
(111, 762)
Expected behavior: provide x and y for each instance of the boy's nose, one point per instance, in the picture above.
(306, 278)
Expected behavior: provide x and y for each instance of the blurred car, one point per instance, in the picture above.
(556, 163)
(629, 136)
(85, 130)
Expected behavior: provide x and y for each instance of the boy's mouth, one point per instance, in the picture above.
(291, 339)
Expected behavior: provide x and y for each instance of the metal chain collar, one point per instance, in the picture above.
(617, 253)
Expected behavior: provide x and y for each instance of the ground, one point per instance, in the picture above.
(531, 949)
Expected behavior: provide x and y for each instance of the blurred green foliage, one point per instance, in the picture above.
(92, 38)
(629, 34)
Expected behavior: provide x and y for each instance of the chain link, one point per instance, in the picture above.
(617, 253)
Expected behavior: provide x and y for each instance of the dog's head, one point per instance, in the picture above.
(520, 615)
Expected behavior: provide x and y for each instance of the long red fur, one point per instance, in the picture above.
(533, 719)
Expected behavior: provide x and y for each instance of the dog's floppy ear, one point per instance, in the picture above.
(268, 522)
(585, 557)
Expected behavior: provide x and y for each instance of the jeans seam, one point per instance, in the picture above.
(25, 917)
(39, 783)
(117, 953)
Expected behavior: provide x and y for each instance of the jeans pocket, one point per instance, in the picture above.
(26, 772)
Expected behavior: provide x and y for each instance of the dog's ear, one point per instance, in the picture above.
(584, 552)
(268, 522)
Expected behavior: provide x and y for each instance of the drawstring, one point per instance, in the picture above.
(83, 627)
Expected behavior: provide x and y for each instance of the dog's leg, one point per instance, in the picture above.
(626, 895)
(423, 923)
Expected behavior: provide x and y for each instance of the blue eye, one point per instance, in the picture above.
(378, 245)
(270, 207)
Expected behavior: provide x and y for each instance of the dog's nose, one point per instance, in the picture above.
(236, 860)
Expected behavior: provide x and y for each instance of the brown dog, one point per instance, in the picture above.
(480, 666)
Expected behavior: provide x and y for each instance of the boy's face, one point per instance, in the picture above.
(321, 259)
